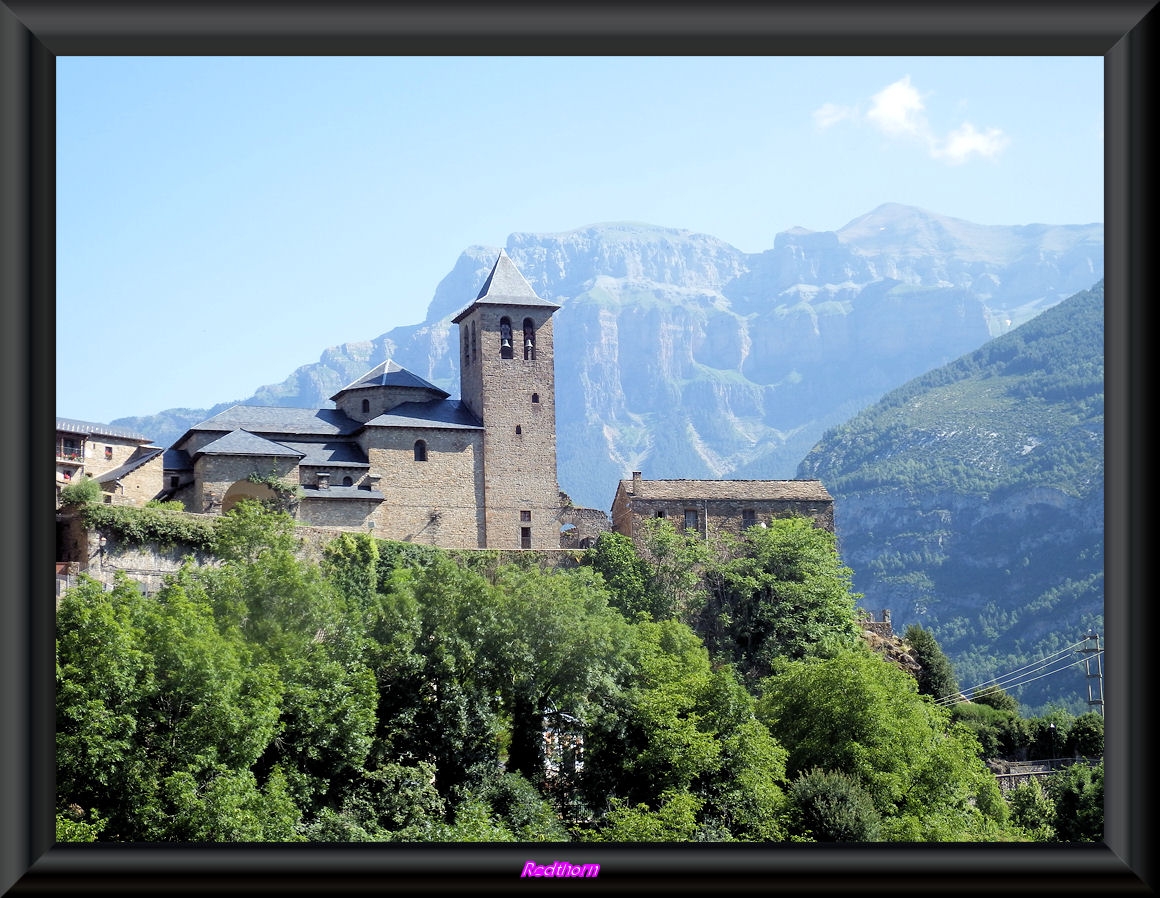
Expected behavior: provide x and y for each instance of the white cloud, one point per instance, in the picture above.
(831, 113)
(898, 111)
(965, 141)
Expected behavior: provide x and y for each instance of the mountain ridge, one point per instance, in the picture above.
(682, 355)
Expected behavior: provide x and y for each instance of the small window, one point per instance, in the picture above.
(691, 519)
(366, 406)
(474, 345)
(519, 429)
(526, 516)
(420, 451)
(525, 537)
(536, 398)
(348, 481)
(748, 517)
(660, 514)
(174, 480)
(108, 452)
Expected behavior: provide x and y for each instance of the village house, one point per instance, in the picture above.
(707, 507)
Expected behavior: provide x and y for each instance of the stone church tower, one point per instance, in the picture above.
(507, 379)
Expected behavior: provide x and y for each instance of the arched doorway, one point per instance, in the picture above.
(246, 489)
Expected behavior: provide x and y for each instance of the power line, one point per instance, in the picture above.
(1029, 673)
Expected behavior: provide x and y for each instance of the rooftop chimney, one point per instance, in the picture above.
(636, 483)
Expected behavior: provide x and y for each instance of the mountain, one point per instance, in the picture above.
(970, 500)
(680, 356)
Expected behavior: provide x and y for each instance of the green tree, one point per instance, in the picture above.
(1086, 736)
(84, 491)
(858, 714)
(627, 575)
(830, 806)
(435, 651)
(779, 592)
(156, 707)
(1078, 794)
(674, 820)
(678, 726)
(995, 697)
(1032, 810)
(937, 676)
(562, 647)
(676, 560)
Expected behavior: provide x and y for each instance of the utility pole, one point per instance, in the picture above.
(1092, 653)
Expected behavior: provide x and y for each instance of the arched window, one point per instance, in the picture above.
(366, 406)
(348, 481)
(420, 450)
(505, 337)
(466, 347)
(529, 339)
(474, 352)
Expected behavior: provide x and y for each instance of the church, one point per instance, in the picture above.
(397, 456)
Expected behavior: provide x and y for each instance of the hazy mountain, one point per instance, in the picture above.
(970, 500)
(681, 356)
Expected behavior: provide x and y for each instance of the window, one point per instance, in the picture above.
(366, 406)
(519, 429)
(525, 537)
(505, 337)
(347, 481)
(474, 353)
(108, 452)
(691, 519)
(420, 450)
(466, 352)
(174, 480)
(529, 339)
(660, 514)
(748, 517)
(536, 397)
(526, 516)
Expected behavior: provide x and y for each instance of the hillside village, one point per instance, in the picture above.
(398, 457)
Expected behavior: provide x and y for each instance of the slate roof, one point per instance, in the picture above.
(390, 374)
(270, 419)
(149, 453)
(506, 286)
(444, 414)
(90, 428)
(341, 492)
(242, 442)
(177, 460)
(331, 453)
(755, 490)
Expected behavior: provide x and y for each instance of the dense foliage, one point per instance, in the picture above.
(391, 693)
(969, 499)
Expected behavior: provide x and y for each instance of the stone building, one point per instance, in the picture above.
(122, 461)
(397, 456)
(711, 506)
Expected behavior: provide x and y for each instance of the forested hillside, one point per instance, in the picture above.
(970, 500)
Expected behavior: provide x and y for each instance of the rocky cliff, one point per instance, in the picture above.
(681, 356)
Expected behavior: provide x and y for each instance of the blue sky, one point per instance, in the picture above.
(222, 221)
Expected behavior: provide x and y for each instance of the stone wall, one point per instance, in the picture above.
(215, 474)
(715, 516)
(438, 501)
(586, 526)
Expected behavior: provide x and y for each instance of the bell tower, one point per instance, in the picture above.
(508, 379)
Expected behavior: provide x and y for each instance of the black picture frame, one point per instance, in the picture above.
(34, 32)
